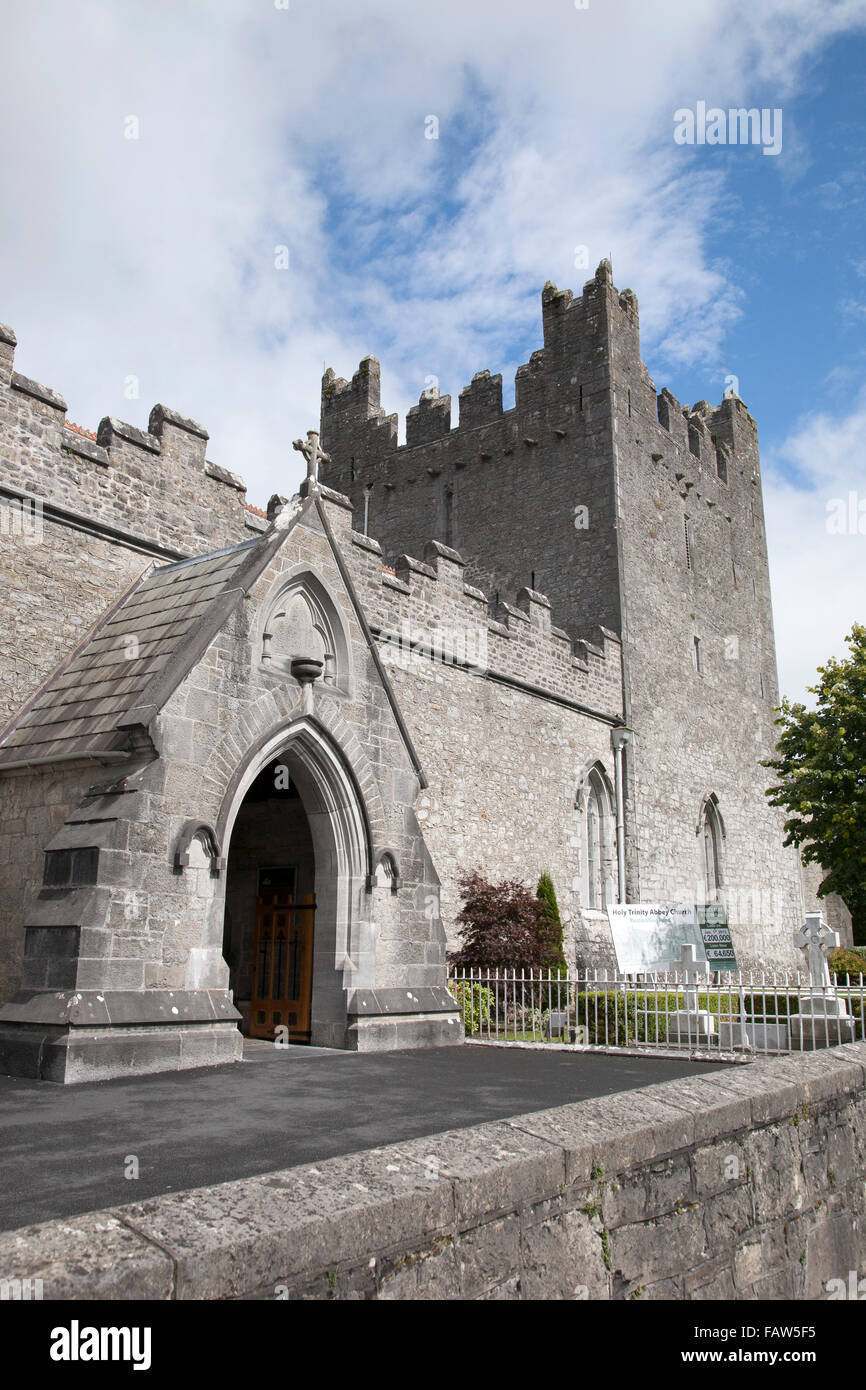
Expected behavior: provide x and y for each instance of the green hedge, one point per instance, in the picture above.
(475, 1001)
(612, 1017)
(843, 962)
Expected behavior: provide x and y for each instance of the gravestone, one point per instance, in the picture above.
(692, 1024)
(823, 1019)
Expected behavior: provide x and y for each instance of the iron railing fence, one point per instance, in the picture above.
(745, 1013)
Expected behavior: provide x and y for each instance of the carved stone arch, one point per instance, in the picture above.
(592, 773)
(336, 814)
(596, 820)
(711, 801)
(711, 835)
(307, 731)
(259, 728)
(199, 832)
(301, 618)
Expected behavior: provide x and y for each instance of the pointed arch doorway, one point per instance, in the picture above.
(270, 909)
(296, 934)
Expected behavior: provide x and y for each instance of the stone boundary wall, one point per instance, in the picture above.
(743, 1184)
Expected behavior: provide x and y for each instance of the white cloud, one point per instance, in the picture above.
(818, 576)
(154, 257)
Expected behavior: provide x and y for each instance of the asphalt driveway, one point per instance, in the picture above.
(67, 1149)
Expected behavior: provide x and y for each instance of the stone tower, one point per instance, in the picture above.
(633, 514)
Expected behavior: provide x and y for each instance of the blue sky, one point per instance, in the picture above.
(138, 270)
(794, 233)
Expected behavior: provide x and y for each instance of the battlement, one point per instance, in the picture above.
(587, 339)
(430, 419)
(720, 441)
(481, 400)
(531, 495)
(155, 485)
(423, 611)
(352, 410)
(565, 318)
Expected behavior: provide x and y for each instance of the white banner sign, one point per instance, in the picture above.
(649, 937)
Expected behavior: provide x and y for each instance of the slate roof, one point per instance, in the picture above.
(124, 671)
(122, 662)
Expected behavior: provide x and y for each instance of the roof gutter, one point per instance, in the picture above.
(52, 759)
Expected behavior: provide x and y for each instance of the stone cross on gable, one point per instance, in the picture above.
(817, 939)
(312, 453)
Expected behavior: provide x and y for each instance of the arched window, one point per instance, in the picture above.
(595, 822)
(711, 831)
(595, 883)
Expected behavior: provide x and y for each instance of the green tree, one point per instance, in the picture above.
(502, 925)
(546, 893)
(821, 766)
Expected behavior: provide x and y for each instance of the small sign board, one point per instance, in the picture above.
(648, 937)
(716, 936)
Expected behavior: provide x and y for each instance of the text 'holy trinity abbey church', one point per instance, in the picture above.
(245, 758)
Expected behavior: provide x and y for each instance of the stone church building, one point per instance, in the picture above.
(244, 758)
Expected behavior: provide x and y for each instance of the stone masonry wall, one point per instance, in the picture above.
(33, 807)
(743, 1184)
(698, 732)
(503, 764)
(53, 589)
(96, 511)
(588, 430)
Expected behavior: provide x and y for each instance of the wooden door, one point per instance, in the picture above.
(282, 962)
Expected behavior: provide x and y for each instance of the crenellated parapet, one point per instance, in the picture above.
(481, 400)
(587, 381)
(357, 399)
(707, 447)
(430, 419)
(155, 486)
(427, 619)
(531, 496)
